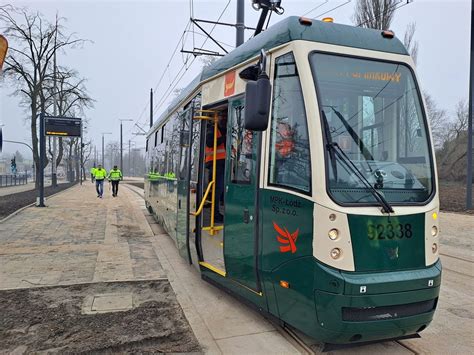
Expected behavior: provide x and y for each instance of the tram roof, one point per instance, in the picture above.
(287, 30)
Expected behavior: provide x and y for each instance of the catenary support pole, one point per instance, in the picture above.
(103, 150)
(151, 108)
(42, 141)
(81, 170)
(121, 146)
(470, 118)
(129, 170)
(240, 23)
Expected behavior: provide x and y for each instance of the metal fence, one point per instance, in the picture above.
(13, 180)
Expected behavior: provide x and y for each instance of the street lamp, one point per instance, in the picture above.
(103, 133)
(121, 141)
(129, 148)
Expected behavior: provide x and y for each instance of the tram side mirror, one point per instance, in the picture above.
(257, 103)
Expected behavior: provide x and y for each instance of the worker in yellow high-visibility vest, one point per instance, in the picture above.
(93, 173)
(115, 175)
(100, 174)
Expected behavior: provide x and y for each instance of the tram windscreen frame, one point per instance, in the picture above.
(371, 109)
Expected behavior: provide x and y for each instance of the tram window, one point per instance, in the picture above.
(372, 109)
(290, 164)
(242, 156)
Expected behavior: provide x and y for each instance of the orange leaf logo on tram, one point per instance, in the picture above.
(229, 85)
(286, 239)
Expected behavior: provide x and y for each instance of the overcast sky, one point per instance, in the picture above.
(132, 42)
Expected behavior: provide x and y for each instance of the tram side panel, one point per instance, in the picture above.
(287, 265)
(161, 196)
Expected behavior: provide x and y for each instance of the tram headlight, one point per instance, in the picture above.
(434, 248)
(333, 234)
(434, 231)
(336, 253)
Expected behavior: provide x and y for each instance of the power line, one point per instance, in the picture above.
(334, 8)
(394, 7)
(315, 8)
(178, 78)
(163, 74)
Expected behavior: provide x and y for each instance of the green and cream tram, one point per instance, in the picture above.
(330, 195)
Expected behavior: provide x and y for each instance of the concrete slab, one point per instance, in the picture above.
(270, 342)
(112, 302)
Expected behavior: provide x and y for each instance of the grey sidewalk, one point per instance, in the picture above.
(77, 238)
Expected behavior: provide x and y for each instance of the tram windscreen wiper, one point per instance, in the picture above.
(327, 133)
(365, 152)
(387, 208)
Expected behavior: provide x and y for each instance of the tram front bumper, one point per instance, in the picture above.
(379, 306)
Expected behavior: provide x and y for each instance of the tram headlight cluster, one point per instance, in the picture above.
(434, 231)
(336, 253)
(434, 248)
(333, 234)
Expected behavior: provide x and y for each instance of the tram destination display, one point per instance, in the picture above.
(62, 126)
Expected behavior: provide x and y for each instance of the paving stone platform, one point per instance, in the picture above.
(78, 238)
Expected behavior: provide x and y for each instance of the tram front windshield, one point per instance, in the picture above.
(371, 114)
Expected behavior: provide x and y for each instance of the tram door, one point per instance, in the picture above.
(182, 225)
(239, 239)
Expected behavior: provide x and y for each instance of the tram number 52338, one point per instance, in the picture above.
(389, 231)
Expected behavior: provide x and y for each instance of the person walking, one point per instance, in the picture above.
(115, 175)
(93, 169)
(100, 174)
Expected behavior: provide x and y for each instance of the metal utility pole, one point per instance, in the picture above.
(129, 170)
(54, 179)
(103, 133)
(121, 142)
(151, 108)
(42, 141)
(240, 23)
(81, 170)
(470, 118)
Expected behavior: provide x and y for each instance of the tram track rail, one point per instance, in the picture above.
(409, 348)
(295, 339)
(460, 259)
(457, 257)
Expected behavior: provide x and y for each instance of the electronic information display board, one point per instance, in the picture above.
(62, 126)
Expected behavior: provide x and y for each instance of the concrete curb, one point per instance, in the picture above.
(32, 204)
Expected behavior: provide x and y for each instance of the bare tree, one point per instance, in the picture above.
(377, 14)
(451, 158)
(33, 43)
(438, 121)
(409, 41)
(69, 94)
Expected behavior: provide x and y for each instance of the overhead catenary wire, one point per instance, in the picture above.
(315, 8)
(334, 8)
(137, 121)
(394, 6)
(178, 78)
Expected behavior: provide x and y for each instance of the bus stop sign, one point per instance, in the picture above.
(62, 126)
